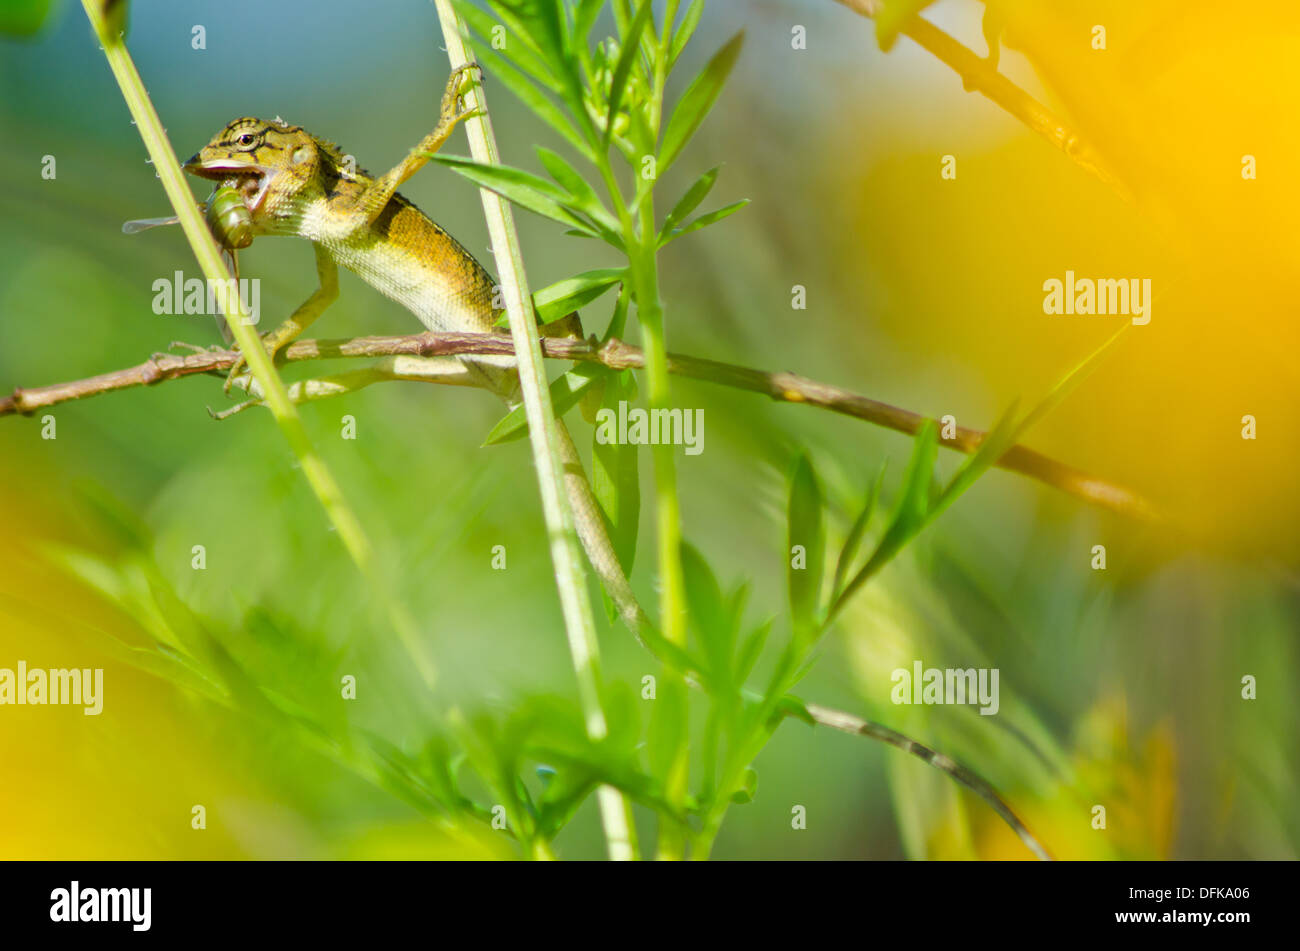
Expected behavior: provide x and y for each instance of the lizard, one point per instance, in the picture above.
(295, 184)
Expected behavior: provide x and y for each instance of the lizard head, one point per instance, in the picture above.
(270, 163)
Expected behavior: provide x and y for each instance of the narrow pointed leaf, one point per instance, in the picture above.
(697, 101)
(909, 515)
(708, 610)
(585, 18)
(751, 650)
(691, 199)
(524, 189)
(516, 48)
(560, 299)
(854, 539)
(584, 196)
(686, 30)
(537, 102)
(806, 530)
(703, 221)
(1001, 438)
(566, 390)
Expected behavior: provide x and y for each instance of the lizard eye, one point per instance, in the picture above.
(247, 140)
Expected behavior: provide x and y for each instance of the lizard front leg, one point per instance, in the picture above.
(328, 291)
(377, 195)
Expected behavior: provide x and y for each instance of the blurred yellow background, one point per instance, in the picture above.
(1120, 687)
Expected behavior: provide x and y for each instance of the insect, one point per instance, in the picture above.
(230, 222)
(228, 218)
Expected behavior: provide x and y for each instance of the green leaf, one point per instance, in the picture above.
(807, 530)
(708, 611)
(626, 57)
(566, 390)
(533, 98)
(751, 650)
(914, 504)
(697, 101)
(542, 24)
(520, 54)
(524, 189)
(691, 199)
(684, 32)
(850, 549)
(585, 18)
(527, 25)
(703, 221)
(560, 299)
(583, 196)
(615, 481)
(910, 514)
(617, 324)
(891, 20)
(1067, 383)
(1007, 431)
(1001, 438)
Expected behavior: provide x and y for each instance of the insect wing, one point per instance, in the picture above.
(144, 224)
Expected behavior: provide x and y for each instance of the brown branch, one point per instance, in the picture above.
(979, 75)
(847, 723)
(783, 387)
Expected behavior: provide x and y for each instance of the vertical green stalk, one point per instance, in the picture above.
(579, 622)
(667, 505)
(318, 475)
(642, 241)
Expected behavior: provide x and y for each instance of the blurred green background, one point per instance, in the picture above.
(1120, 687)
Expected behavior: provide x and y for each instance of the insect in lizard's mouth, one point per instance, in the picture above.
(249, 180)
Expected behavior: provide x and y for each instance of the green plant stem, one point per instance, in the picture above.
(566, 556)
(641, 240)
(314, 469)
(650, 313)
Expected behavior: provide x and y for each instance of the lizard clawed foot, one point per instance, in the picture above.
(451, 112)
(237, 408)
(239, 370)
(236, 375)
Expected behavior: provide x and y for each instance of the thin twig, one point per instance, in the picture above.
(980, 75)
(848, 723)
(783, 387)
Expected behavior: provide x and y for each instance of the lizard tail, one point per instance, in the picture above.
(590, 524)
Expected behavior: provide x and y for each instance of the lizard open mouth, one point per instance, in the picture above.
(249, 180)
